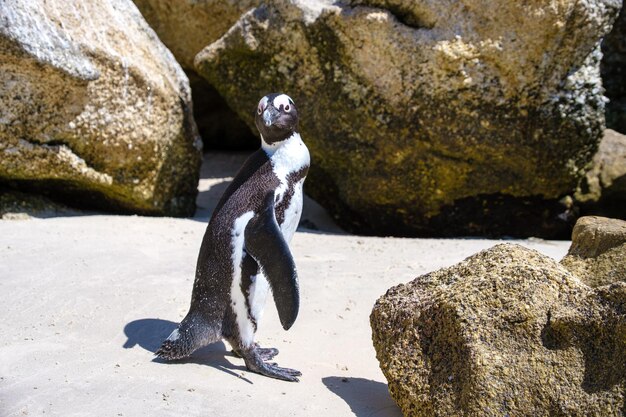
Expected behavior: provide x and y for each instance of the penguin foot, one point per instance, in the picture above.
(267, 354)
(255, 362)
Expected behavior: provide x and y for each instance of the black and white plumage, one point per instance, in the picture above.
(245, 251)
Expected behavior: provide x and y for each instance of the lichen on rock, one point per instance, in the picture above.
(416, 113)
(508, 331)
(95, 109)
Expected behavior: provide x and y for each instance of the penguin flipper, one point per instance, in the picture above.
(265, 243)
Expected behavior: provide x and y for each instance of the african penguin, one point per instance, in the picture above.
(245, 251)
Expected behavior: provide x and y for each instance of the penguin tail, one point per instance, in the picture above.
(189, 336)
(175, 346)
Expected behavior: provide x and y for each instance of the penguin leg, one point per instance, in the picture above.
(267, 354)
(255, 288)
(255, 363)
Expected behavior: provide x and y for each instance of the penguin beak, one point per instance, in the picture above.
(270, 115)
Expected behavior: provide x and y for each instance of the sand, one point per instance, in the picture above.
(85, 300)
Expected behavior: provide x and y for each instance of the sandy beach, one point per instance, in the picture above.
(85, 300)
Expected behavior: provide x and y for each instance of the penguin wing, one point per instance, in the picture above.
(265, 243)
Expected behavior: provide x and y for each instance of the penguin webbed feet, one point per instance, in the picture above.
(255, 358)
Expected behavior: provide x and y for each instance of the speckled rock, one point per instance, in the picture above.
(94, 109)
(598, 252)
(430, 117)
(602, 190)
(187, 26)
(508, 331)
(614, 73)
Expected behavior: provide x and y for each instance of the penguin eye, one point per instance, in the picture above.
(260, 109)
(287, 107)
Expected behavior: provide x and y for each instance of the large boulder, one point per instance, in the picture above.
(465, 117)
(94, 109)
(614, 73)
(598, 252)
(508, 331)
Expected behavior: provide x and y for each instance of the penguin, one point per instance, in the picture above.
(244, 252)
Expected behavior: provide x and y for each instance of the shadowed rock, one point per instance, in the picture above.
(603, 188)
(614, 73)
(187, 26)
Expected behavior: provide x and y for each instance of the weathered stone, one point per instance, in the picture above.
(592, 236)
(508, 331)
(430, 117)
(603, 188)
(598, 252)
(187, 26)
(94, 109)
(613, 69)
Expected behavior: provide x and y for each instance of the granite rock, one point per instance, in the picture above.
(508, 331)
(430, 118)
(94, 109)
(186, 27)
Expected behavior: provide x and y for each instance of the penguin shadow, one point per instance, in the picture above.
(365, 397)
(150, 333)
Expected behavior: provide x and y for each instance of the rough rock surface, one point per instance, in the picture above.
(508, 331)
(430, 117)
(598, 252)
(94, 109)
(603, 188)
(186, 27)
(613, 69)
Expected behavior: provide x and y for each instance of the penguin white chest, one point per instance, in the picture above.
(288, 162)
(292, 212)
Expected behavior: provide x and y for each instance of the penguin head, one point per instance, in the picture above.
(276, 118)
